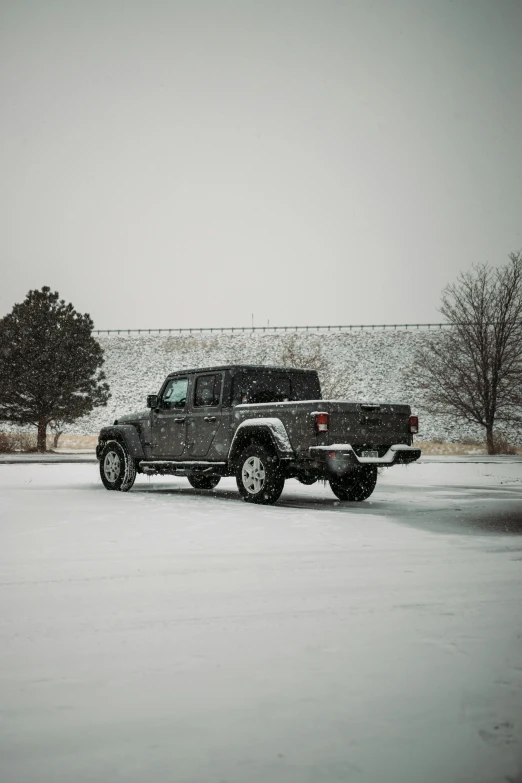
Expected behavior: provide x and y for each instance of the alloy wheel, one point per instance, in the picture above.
(111, 466)
(253, 475)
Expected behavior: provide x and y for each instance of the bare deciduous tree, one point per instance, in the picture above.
(309, 355)
(57, 428)
(475, 369)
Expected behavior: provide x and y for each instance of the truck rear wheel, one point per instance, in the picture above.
(355, 486)
(259, 476)
(204, 482)
(117, 468)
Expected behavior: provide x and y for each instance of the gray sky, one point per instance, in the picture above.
(170, 164)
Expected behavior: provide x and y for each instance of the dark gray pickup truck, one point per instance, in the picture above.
(261, 425)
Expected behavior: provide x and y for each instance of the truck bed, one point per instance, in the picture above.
(356, 423)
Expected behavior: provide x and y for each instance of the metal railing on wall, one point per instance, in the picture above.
(279, 329)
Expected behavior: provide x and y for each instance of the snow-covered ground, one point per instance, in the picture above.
(173, 635)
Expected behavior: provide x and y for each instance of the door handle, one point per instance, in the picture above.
(179, 419)
(209, 418)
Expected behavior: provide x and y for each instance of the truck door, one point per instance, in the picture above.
(205, 414)
(169, 420)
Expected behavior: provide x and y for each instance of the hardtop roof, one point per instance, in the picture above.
(237, 367)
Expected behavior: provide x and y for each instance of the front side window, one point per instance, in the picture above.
(207, 391)
(175, 394)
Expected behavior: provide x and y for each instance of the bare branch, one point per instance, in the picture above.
(475, 371)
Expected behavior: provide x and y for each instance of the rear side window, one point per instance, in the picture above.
(262, 387)
(305, 386)
(207, 391)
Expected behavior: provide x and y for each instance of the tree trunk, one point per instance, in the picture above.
(41, 444)
(57, 436)
(489, 439)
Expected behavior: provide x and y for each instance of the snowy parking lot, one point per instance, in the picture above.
(169, 634)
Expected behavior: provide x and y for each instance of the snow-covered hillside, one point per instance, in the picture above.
(376, 366)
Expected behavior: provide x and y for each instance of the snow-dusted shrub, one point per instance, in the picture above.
(6, 443)
(11, 442)
(501, 445)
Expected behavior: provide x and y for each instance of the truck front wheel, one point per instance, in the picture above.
(355, 486)
(117, 468)
(259, 476)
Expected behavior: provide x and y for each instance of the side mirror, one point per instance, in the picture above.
(152, 401)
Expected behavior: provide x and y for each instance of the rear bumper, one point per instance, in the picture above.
(341, 456)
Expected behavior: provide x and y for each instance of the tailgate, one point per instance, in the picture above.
(369, 424)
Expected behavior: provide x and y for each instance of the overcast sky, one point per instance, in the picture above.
(173, 164)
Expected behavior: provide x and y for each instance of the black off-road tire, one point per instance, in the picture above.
(204, 482)
(356, 486)
(259, 476)
(117, 468)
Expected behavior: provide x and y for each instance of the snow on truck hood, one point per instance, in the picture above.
(139, 416)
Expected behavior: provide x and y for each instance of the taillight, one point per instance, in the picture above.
(321, 422)
(414, 425)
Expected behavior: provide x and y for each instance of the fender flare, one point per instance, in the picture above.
(271, 427)
(127, 434)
